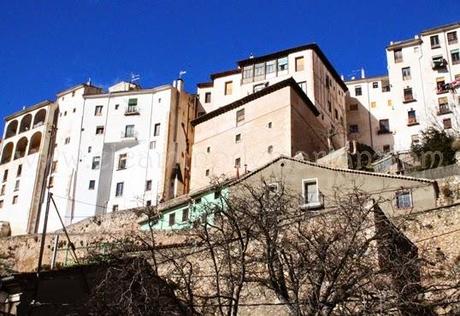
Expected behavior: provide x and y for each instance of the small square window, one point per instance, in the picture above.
(207, 172)
(353, 107)
(185, 214)
(208, 150)
(98, 110)
(92, 184)
(122, 161)
(386, 148)
(119, 189)
(89, 149)
(96, 163)
(1, 203)
(270, 149)
(237, 138)
(239, 116)
(447, 123)
(434, 40)
(99, 130)
(17, 184)
(358, 91)
(156, 129)
(228, 88)
(452, 37)
(15, 199)
(310, 193)
(354, 128)
(403, 199)
(375, 84)
(117, 106)
(153, 144)
(207, 97)
(67, 141)
(19, 171)
(406, 73)
(299, 63)
(172, 219)
(148, 185)
(114, 208)
(398, 57)
(269, 125)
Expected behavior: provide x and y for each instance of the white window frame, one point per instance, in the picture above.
(312, 205)
(410, 198)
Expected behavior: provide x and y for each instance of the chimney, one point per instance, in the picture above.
(179, 84)
(363, 74)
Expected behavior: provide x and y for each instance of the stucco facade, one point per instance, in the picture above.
(26, 146)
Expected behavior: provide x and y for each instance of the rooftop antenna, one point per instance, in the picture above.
(181, 73)
(251, 56)
(89, 81)
(135, 77)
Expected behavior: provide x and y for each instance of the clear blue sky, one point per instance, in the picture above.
(47, 46)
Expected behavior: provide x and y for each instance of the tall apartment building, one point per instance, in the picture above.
(23, 163)
(281, 103)
(121, 149)
(424, 75)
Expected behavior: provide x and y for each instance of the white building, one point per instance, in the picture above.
(120, 149)
(424, 76)
(25, 149)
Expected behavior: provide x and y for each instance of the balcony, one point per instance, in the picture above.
(132, 110)
(409, 99)
(439, 64)
(412, 121)
(129, 135)
(444, 109)
(442, 88)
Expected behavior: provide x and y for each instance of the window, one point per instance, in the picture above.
(408, 96)
(122, 161)
(384, 126)
(270, 149)
(443, 106)
(129, 131)
(375, 84)
(153, 145)
(132, 106)
(354, 128)
(403, 199)
(259, 70)
(269, 125)
(5, 175)
(228, 88)
(207, 97)
(15, 199)
(117, 106)
(2, 192)
(1, 203)
(208, 149)
(441, 86)
(172, 219)
(237, 162)
(455, 55)
(92, 184)
(148, 203)
(373, 104)
(411, 117)
(299, 63)
(358, 91)
(67, 140)
(452, 37)
(447, 123)
(258, 87)
(434, 40)
(438, 62)
(310, 192)
(89, 149)
(53, 166)
(398, 57)
(217, 194)
(19, 171)
(415, 139)
(270, 66)
(329, 106)
(248, 72)
(74, 110)
(96, 163)
(156, 129)
(406, 73)
(207, 172)
(239, 116)
(98, 110)
(119, 189)
(99, 130)
(185, 214)
(282, 64)
(148, 185)
(386, 148)
(237, 138)
(303, 86)
(115, 208)
(17, 184)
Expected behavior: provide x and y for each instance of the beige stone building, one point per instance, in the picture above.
(281, 103)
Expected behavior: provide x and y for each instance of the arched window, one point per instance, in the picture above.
(35, 142)
(11, 129)
(21, 148)
(25, 123)
(7, 153)
(40, 117)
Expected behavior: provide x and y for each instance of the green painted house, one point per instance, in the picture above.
(182, 212)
